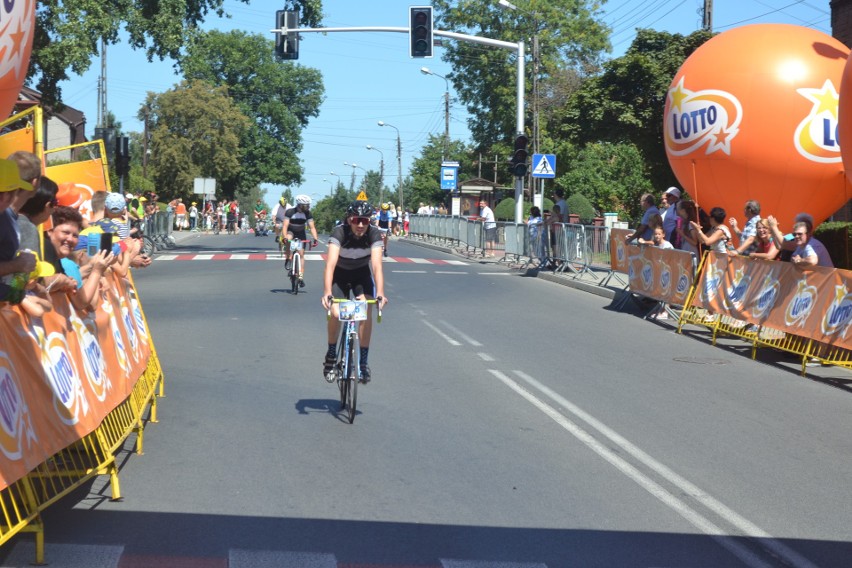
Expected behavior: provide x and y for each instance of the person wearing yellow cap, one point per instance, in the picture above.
(12, 260)
(193, 215)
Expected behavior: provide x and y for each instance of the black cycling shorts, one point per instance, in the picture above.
(346, 281)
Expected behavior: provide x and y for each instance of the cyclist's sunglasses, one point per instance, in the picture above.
(359, 220)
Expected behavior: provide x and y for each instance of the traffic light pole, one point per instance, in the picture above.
(516, 47)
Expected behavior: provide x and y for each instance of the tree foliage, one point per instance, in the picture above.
(279, 98)
(69, 32)
(195, 132)
(612, 176)
(570, 36)
(425, 184)
(625, 103)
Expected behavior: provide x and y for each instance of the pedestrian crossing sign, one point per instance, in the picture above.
(544, 166)
(361, 196)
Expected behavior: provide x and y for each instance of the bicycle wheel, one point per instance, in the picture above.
(295, 269)
(148, 246)
(352, 380)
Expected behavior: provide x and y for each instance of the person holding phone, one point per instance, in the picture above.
(67, 224)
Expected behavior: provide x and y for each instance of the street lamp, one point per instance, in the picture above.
(352, 183)
(427, 71)
(398, 161)
(338, 179)
(381, 173)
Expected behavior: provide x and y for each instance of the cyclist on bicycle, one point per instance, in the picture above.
(354, 259)
(278, 216)
(295, 222)
(384, 225)
(260, 217)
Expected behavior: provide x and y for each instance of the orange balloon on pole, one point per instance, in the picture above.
(753, 114)
(17, 24)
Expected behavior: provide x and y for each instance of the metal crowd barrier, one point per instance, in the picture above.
(565, 247)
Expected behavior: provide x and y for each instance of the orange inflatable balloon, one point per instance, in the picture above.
(17, 24)
(753, 114)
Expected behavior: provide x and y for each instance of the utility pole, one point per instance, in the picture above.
(535, 140)
(145, 146)
(707, 20)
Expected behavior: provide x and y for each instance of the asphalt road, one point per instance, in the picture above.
(511, 422)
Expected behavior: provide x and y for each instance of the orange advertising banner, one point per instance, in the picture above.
(664, 275)
(87, 177)
(16, 140)
(815, 303)
(60, 375)
(618, 249)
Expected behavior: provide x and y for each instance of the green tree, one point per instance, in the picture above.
(68, 33)
(279, 98)
(612, 176)
(569, 33)
(195, 132)
(425, 183)
(625, 102)
(332, 208)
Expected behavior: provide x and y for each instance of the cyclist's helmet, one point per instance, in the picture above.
(360, 209)
(385, 206)
(303, 200)
(282, 201)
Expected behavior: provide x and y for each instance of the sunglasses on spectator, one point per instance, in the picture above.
(360, 220)
(799, 234)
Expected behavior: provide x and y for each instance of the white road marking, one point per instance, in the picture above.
(450, 272)
(420, 260)
(731, 516)
(488, 564)
(655, 489)
(460, 333)
(408, 271)
(485, 356)
(449, 339)
(279, 559)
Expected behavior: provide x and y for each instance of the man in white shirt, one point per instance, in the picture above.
(672, 196)
(489, 224)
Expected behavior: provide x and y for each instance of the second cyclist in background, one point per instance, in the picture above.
(296, 220)
(278, 217)
(384, 225)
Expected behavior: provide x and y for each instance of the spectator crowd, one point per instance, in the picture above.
(54, 241)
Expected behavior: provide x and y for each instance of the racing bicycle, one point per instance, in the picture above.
(346, 370)
(295, 272)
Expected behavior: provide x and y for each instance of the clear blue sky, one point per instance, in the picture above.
(369, 77)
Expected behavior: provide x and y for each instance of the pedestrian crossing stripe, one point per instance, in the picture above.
(546, 166)
(309, 256)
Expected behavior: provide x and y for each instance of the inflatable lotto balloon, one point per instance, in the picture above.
(844, 117)
(17, 23)
(753, 114)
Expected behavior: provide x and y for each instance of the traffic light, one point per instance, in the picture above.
(287, 44)
(518, 161)
(122, 155)
(420, 31)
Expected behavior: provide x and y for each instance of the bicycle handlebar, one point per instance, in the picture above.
(378, 301)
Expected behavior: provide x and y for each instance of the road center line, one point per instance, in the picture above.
(461, 334)
(449, 339)
(655, 489)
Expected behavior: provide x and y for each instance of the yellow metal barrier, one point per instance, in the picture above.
(760, 336)
(68, 469)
